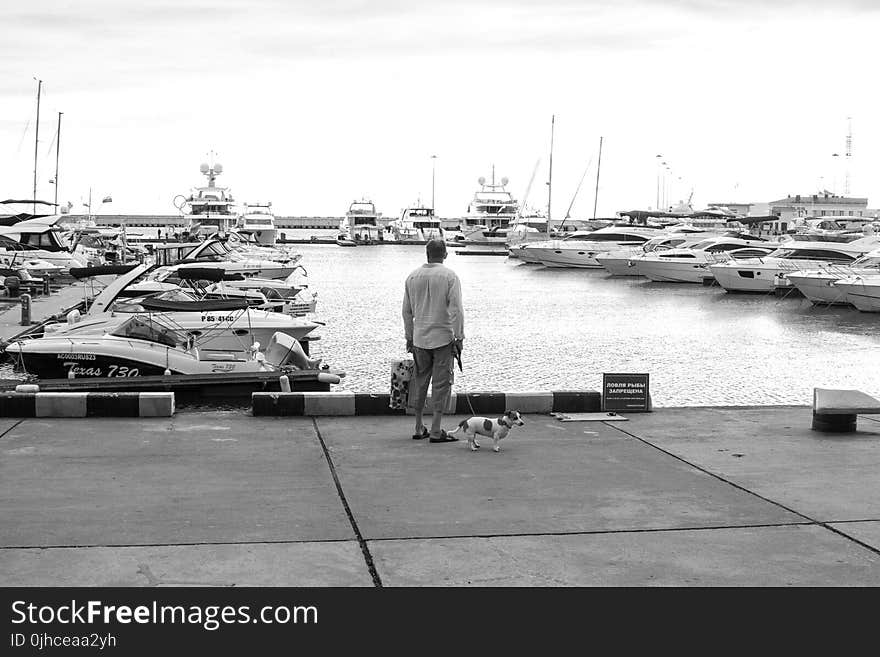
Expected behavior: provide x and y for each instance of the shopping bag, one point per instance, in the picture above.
(401, 379)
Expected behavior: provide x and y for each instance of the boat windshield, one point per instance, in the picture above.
(150, 329)
(362, 208)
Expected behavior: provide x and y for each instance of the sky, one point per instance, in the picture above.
(311, 105)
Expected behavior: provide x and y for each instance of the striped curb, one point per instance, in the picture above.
(86, 404)
(463, 403)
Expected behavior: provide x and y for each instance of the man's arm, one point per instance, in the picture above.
(456, 312)
(407, 316)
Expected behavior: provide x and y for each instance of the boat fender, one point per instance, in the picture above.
(167, 372)
(326, 377)
(73, 316)
(284, 381)
(27, 387)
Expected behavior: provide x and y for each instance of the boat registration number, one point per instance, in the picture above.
(218, 318)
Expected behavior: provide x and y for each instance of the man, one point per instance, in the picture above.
(434, 323)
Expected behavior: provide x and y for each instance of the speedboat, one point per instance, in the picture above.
(863, 292)
(41, 238)
(219, 324)
(689, 263)
(766, 273)
(581, 249)
(818, 285)
(214, 252)
(489, 213)
(147, 345)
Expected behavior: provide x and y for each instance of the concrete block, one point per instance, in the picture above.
(61, 404)
(530, 402)
(328, 403)
(278, 403)
(156, 404)
(481, 403)
(14, 404)
(375, 404)
(112, 404)
(576, 401)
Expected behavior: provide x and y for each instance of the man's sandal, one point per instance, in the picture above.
(419, 436)
(443, 438)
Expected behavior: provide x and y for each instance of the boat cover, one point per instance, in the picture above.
(194, 306)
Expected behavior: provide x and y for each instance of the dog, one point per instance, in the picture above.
(496, 428)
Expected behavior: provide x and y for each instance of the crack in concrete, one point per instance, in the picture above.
(152, 580)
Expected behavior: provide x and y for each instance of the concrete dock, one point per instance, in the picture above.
(690, 496)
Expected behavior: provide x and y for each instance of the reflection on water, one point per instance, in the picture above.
(532, 328)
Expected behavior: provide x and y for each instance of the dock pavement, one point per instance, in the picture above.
(42, 307)
(722, 496)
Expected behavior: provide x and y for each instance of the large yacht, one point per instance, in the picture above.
(210, 209)
(767, 273)
(819, 285)
(689, 263)
(361, 223)
(258, 222)
(417, 224)
(489, 213)
(863, 292)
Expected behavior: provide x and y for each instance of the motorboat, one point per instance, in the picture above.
(689, 263)
(416, 224)
(766, 273)
(147, 345)
(622, 262)
(361, 224)
(581, 249)
(526, 229)
(258, 222)
(863, 291)
(217, 253)
(489, 213)
(219, 324)
(41, 238)
(818, 285)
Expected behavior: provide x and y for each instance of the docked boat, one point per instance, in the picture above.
(581, 249)
(215, 252)
(489, 213)
(767, 273)
(145, 345)
(690, 263)
(41, 238)
(360, 225)
(258, 223)
(818, 285)
(623, 262)
(416, 224)
(210, 209)
(863, 292)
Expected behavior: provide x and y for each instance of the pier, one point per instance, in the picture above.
(721, 496)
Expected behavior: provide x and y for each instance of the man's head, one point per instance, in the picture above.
(436, 250)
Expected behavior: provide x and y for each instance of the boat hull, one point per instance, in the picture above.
(620, 265)
(734, 278)
(673, 272)
(819, 288)
(864, 297)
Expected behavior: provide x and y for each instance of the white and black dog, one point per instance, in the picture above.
(495, 428)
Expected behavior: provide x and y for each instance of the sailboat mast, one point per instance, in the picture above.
(598, 168)
(57, 156)
(550, 180)
(37, 141)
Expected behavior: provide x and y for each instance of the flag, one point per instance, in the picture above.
(107, 199)
(69, 205)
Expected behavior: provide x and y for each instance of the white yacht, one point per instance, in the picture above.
(489, 213)
(210, 209)
(767, 273)
(416, 224)
(258, 223)
(623, 262)
(40, 238)
(581, 249)
(690, 263)
(361, 223)
(863, 292)
(217, 253)
(818, 285)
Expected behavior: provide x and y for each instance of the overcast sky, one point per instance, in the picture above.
(313, 104)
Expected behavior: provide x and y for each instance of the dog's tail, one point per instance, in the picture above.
(461, 426)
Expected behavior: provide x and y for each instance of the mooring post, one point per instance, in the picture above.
(25, 309)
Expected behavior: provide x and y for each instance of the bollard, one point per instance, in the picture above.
(13, 285)
(25, 309)
(47, 289)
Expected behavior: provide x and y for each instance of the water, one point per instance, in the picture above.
(532, 328)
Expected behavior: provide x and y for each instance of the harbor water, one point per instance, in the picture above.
(533, 328)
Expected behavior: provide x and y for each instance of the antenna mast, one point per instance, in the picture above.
(848, 154)
(598, 167)
(37, 142)
(550, 181)
(57, 155)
